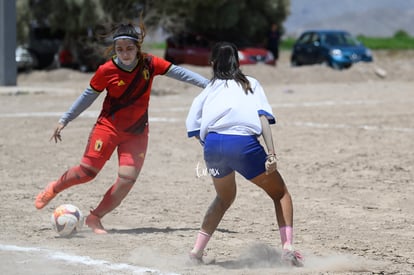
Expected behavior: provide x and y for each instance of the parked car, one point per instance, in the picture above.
(195, 49)
(44, 44)
(50, 50)
(338, 49)
(24, 59)
(85, 56)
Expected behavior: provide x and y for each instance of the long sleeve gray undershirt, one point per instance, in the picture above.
(81, 104)
(183, 74)
(89, 95)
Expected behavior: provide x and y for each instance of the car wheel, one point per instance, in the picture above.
(35, 64)
(335, 66)
(294, 62)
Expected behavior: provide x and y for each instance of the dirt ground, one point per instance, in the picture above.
(345, 142)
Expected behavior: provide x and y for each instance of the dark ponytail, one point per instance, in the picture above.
(225, 61)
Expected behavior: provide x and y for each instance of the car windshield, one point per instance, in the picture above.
(339, 39)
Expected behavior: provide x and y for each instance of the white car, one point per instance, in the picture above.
(24, 59)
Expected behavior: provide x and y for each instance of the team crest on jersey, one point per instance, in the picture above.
(146, 74)
(98, 145)
(121, 83)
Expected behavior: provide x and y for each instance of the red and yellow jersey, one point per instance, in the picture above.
(128, 92)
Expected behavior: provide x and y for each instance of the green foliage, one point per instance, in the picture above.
(223, 19)
(155, 45)
(23, 14)
(287, 44)
(72, 16)
(401, 34)
(236, 20)
(397, 42)
(122, 11)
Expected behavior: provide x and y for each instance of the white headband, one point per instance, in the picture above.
(125, 37)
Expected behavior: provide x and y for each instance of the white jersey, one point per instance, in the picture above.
(224, 107)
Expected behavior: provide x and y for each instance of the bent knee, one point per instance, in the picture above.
(86, 172)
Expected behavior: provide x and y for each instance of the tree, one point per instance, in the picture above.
(74, 16)
(23, 16)
(221, 19)
(225, 19)
(229, 19)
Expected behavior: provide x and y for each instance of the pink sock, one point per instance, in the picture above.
(201, 243)
(286, 235)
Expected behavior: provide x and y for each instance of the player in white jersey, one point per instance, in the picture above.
(228, 117)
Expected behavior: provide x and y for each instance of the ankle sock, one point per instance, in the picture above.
(286, 236)
(200, 244)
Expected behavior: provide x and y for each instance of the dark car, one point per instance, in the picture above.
(195, 49)
(44, 44)
(337, 49)
(48, 48)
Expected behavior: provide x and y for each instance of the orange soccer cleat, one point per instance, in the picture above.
(44, 197)
(94, 222)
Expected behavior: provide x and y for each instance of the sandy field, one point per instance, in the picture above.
(345, 141)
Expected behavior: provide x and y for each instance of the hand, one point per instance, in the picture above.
(270, 164)
(56, 134)
(199, 140)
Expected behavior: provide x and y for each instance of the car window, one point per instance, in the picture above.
(350, 40)
(340, 39)
(305, 38)
(315, 38)
(333, 39)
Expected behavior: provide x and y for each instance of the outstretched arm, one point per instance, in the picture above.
(81, 104)
(183, 74)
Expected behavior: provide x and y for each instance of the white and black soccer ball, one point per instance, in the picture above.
(66, 220)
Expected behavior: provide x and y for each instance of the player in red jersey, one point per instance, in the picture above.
(122, 123)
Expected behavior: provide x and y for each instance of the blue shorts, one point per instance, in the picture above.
(227, 153)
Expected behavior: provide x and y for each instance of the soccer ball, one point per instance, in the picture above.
(66, 220)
